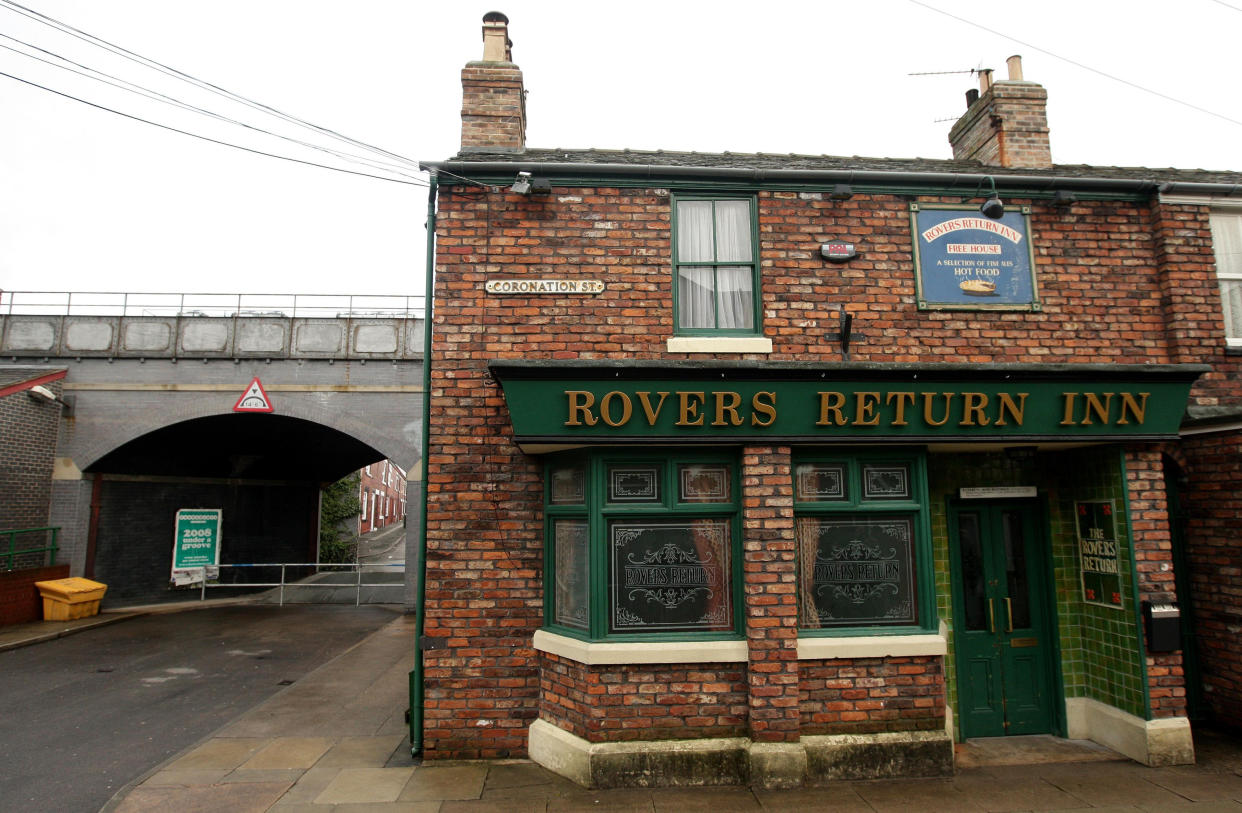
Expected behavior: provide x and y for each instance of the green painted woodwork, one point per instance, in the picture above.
(599, 503)
(624, 404)
(1004, 647)
(854, 501)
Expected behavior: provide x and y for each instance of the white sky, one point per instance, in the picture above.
(90, 201)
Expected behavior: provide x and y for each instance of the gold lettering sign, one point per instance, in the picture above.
(728, 409)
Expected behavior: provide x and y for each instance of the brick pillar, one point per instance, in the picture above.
(1154, 579)
(1189, 292)
(770, 587)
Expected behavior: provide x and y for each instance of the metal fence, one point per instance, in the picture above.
(291, 306)
(11, 558)
(299, 575)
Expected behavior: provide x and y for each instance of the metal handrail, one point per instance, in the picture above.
(13, 552)
(357, 585)
(287, 306)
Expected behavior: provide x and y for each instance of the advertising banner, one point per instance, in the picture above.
(196, 545)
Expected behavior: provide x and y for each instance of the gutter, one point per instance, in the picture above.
(950, 180)
(415, 712)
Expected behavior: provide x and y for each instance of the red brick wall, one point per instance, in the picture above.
(769, 574)
(1213, 496)
(644, 702)
(1104, 299)
(863, 695)
(1154, 577)
(19, 598)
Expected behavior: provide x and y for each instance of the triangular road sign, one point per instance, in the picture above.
(254, 399)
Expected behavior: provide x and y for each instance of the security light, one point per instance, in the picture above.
(522, 185)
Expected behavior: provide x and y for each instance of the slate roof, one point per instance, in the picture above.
(18, 375)
(778, 161)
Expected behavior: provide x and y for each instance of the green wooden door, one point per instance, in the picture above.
(1003, 641)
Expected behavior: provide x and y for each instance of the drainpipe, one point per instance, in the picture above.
(416, 677)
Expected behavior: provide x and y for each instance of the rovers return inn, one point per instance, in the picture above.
(784, 469)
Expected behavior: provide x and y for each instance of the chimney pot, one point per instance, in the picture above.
(985, 80)
(493, 104)
(972, 96)
(496, 44)
(1015, 68)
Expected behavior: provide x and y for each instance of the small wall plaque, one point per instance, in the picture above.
(998, 493)
(529, 287)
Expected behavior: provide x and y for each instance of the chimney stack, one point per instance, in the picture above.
(493, 100)
(1006, 125)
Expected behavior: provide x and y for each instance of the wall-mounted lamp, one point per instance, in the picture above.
(45, 396)
(841, 191)
(1064, 197)
(992, 207)
(525, 184)
(40, 393)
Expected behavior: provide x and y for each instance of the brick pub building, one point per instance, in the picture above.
(784, 469)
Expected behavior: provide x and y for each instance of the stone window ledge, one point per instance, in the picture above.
(872, 646)
(861, 646)
(593, 654)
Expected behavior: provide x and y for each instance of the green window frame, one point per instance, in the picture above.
(865, 562)
(716, 265)
(643, 545)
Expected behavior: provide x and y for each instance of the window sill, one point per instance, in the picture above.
(719, 344)
(593, 654)
(873, 646)
(809, 649)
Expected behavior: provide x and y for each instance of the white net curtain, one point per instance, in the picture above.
(1227, 236)
(717, 295)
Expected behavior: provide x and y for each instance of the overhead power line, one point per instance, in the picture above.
(130, 87)
(173, 72)
(1076, 64)
(211, 140)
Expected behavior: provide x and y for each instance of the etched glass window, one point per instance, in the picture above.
(634, 484)
(820, 482)
(568, 485)
(571, 549)
(856, 570)
(701, 483)
(886, 482)
(670, 575)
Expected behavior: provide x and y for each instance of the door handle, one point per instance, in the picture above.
(1008, 615)
(991, 617)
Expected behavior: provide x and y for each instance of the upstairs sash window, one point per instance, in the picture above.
(716, 266)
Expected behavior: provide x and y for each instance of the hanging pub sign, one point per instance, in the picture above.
(1099, 554)
(965, 260)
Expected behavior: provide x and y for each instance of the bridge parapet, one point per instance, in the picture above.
(331, 330)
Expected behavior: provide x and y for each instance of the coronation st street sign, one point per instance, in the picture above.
(616, 410)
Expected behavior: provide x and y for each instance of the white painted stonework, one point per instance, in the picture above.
(1151, 742)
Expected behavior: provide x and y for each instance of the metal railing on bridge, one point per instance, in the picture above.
(292, 306)
(308, 575)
